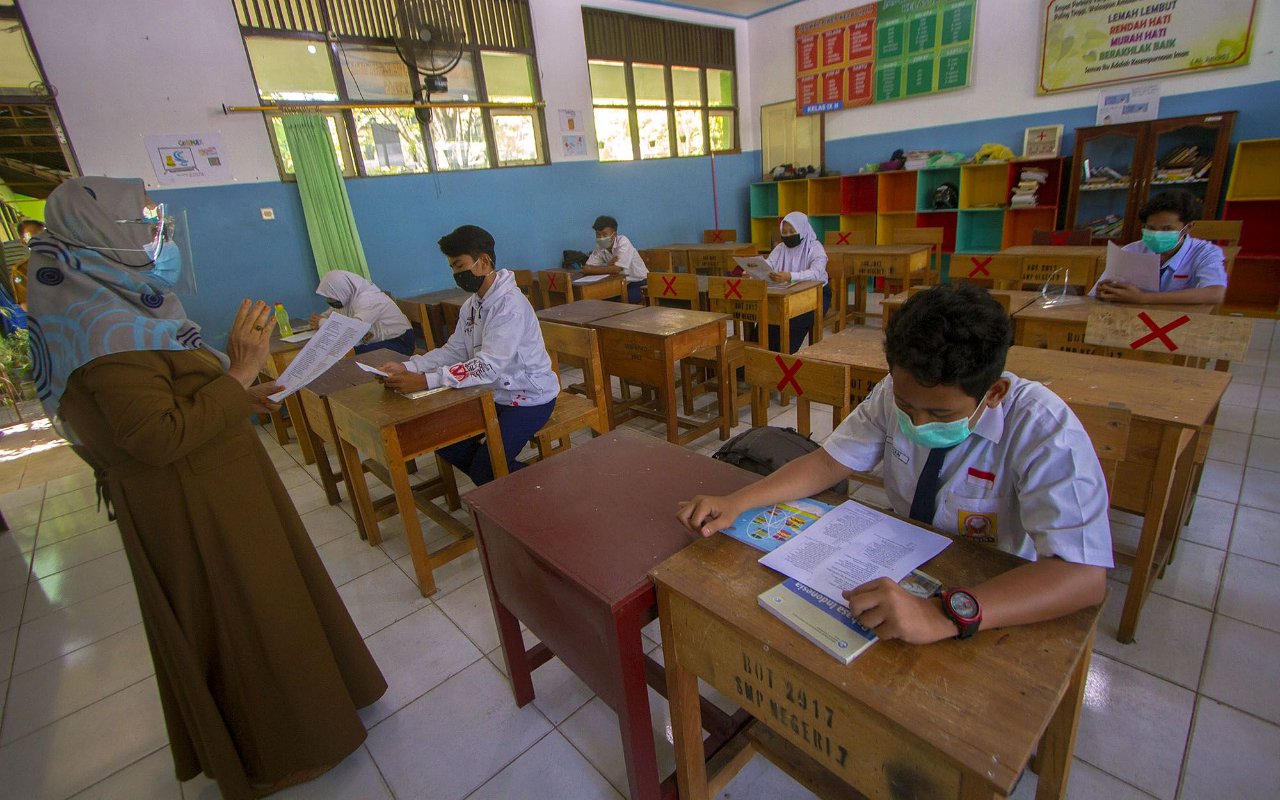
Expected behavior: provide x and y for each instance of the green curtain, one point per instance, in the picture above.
(335, 242)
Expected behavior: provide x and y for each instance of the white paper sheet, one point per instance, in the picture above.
(335, 337)
(1139, 269)
(374, 370)
(851, 545)
(589, 279)
(298, 337)
(755, 266)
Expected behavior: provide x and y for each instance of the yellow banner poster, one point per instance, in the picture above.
(1090, 43)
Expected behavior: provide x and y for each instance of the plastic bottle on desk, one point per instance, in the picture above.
(282, 321)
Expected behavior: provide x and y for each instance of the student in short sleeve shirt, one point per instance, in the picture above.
(615, 255)
(1191, 270)
(1013, 469)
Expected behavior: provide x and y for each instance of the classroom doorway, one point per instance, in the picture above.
(789, 139)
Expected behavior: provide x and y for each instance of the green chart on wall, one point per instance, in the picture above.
(922, 47)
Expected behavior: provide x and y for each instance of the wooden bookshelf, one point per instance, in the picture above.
(1253, 197)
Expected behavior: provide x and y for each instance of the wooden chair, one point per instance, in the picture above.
(933, 238)
(658, 260)
(746, 302)
(420, 320)
(1080, 237)
(1220, 231)
(556, 288)
(812, 381)
(1229, 254)
(713, 235)
(1108, 429)
(847, 237)
(676, 290)
(528, 287)
(838, 280)
(573, 412)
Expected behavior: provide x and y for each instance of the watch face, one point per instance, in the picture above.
(963, 605)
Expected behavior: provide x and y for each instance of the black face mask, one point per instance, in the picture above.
(334, 304)
(468, 281)
(791, 241)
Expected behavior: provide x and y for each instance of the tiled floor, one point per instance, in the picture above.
(1191, 710)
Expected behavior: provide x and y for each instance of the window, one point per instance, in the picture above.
(659, 88)
(341, 52)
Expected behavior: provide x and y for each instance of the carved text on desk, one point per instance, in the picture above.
(859, 389)
(872, 267)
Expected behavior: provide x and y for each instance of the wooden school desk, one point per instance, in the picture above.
(391, 429)
(948, 719)
(279, 356)
(889, 261)
(315, 405)
(791, 301)
(583, 312)
(643, 346)
(710, 258)
(1173, 410)
(431, 303)
(560, 280)
(1062, 327)
(1018, 300)
(1040, 262)
(576, 572)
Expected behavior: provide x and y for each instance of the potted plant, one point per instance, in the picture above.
(15, 368)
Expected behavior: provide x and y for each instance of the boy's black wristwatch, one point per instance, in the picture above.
(963, 609)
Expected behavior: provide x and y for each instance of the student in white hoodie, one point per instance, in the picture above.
(497, 343)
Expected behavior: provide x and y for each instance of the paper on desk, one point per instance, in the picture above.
(1139, 269)
(755, 266)
(374, 370)
(589, 279)
(853, 544)
(336, 335)
(298, 337)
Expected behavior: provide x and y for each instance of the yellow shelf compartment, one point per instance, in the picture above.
(794, 196)
(984, 185)
(896, 192)
(860, 223)
(1255, 175)
(887, 223)
(763, 231)
(824, 196)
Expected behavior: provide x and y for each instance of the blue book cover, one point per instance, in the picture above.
(769, 527)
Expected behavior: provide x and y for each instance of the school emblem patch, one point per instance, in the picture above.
(978, 526)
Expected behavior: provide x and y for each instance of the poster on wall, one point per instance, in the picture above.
(883, 51)
(1128, 104)
(1091, 44)
(188, 158)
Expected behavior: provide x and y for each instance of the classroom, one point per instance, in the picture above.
(603, 399)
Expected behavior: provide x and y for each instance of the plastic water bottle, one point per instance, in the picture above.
(282, 320)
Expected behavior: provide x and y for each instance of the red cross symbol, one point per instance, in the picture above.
(668, 285)
(551, 283)
(731, 288)
(1058, 238)
(843, 238)
(1158, 332)
(789, 375)
(717, 236)
(980, 266)
(1040, 136)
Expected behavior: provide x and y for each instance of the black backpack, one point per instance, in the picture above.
(573, 259)
(764, 450)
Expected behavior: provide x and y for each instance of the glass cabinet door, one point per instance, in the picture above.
(1188, 155)
(1108, 168)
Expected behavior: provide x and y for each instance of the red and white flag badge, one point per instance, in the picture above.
(981, 478)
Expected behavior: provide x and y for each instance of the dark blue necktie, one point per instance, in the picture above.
(925, 502)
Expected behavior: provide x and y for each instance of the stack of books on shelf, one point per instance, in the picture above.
(1102, 178)
(1183, 164)
(1107, 227)
(1024, 193)
(919, 159)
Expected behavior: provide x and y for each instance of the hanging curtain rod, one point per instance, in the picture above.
(321, 107)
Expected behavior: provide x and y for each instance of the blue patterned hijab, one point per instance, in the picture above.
(86, 297)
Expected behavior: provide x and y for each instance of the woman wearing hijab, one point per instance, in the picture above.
(259, 666)
(800, 257)
(352, 296)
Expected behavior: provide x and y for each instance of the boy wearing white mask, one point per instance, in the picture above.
(615, 255)
(968, 448)
(1191, 270)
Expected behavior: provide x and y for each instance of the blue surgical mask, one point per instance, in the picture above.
(166, 268)
(1160, 241)
(935, 434)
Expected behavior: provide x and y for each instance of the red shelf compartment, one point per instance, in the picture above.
(858, 194)
(940, 219)
(1261, 229)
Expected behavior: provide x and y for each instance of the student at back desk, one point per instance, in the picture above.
(800, 257)
(615, 255)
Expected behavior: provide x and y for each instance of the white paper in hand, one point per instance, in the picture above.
(755, 266)
(373, 370)
(332, 340)
(1138, 269)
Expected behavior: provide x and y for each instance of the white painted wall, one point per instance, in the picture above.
(1003, 82)
(125, 69)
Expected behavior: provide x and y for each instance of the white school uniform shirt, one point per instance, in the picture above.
(364, 301)
(629, 260)
(806, 261)
(1196, 264)
(497, 343)
(1026, 480)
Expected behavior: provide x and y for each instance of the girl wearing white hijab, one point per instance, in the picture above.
(355, 297)
(800, 257)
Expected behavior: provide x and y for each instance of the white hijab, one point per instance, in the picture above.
(795, 259)
(364, 301)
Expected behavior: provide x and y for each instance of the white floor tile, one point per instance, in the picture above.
(17, 540)
(74, 500)
(415, 655)
(71, 586)
(1251, 592)
(349, 557)
(1170, 640)
(1229, 446)
(1087, 782)
(1210, 523)
(1267, 423)
(11, 601)
(23, 516)
(1193, 576)
(593, 730)
(1261, 489)
(1234, 418)
(1134, 726)
(295, 476)
(1269, 400)
(1250, 374)
(150, 778)
(77, 550)
(761, 780)
(308, 497)
(70, 525)
(1264, 453)
(1221, 480)
(326, 524)
(9, 501)
(78, 751)
(69, 629)
(552, 768)
(78, 679)
(453, 739)
(1244, 668)
(15, 568)
(381, 597)
(68, 483)
(470, 610)
(1256, 534)
(558, 693)
(457, 573)
(1240, 394)
(1232, 755)
(356, 777)
(8, 641)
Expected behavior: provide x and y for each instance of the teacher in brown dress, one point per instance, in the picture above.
(260, 668)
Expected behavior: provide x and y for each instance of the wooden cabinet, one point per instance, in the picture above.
(1116, 168)
(1253, 198)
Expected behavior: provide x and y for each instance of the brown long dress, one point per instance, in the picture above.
(260, 667)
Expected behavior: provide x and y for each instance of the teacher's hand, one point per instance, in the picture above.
(259, 401)
(250, 341)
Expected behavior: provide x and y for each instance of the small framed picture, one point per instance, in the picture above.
(1042, 141)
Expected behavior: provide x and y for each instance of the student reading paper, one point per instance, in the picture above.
(970, 449)
(800, 257)
(1191, 270)
(497, 343)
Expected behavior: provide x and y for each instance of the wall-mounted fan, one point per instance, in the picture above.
(429, 42)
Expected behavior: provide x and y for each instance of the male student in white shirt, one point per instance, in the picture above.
(967, 448)
(615, 255)
(1191, 270)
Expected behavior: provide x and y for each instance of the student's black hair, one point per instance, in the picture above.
(1180, 202)
(604, 221)
(955, 335)
(469, 240)
(26, 222)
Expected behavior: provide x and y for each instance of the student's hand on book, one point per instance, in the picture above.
(780, 277)
(259, 403)
(406, 381)
(894, 613)
(706, 514)
(1120, 292)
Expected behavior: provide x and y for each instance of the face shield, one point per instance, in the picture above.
(166, 243)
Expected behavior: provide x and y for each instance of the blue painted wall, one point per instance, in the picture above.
(536, 212)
